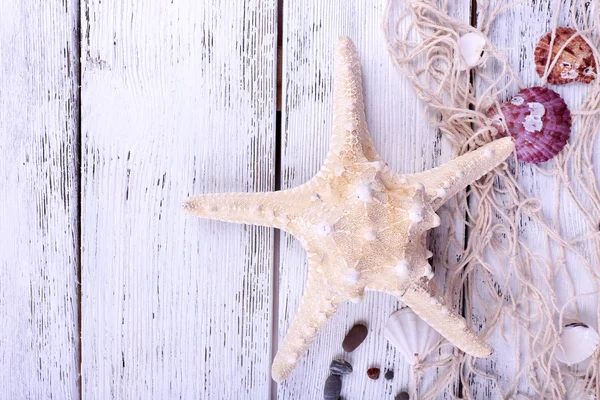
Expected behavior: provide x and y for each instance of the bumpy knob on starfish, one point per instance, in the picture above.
(362, 225)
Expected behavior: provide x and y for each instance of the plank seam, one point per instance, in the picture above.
(276, 255)
(473, 23)
(78, 162)
(278, 156)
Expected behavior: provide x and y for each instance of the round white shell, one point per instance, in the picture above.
(470, 47)
(577, 342)
(410, 335)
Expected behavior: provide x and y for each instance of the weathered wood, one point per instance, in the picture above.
(398, 125)
(39, 334)
(529, 21)
(178, 98)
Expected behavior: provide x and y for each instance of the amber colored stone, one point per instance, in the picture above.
(373, 373)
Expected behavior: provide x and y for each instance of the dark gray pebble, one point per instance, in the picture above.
(340, 367)
(389, 375)
(333, 387)
(355, 337)
(402, 396)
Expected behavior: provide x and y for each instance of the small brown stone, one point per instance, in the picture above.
(355, 337)
(373, 373)
(402, 396)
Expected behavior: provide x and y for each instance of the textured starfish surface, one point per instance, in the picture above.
(362, 225)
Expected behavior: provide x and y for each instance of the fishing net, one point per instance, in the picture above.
(529, 263)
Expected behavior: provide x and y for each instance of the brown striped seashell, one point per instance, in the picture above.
(575, 63)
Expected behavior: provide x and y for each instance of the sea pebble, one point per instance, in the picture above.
(340, 367)
(538, 119)
(574, 64)
(402, 396)
(333, 387)
(389, 375)
(373, 373)
(355, 337)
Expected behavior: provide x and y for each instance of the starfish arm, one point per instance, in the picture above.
(273, 209)
(448, 323)
(445, 181)
(350, 140)
(316, 307)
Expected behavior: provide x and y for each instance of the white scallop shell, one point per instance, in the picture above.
(470, 47)
(411, 335)
(577, 342)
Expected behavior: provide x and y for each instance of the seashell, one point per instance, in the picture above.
(538, 119)
(411, 335)
(577, 342)
(575, 63)
(470, 47)
(333, 387)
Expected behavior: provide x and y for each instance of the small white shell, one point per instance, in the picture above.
(410, 335)
(471, 47)
(577, 342)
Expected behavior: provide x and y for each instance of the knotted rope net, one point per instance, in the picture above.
(521, 270)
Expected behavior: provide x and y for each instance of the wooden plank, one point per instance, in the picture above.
(178, 98)
(398, 125)
(511, 368)
(39, 339)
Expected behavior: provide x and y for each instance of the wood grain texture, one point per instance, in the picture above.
(178, 98)
(39, 338)
(398, 125)
(510, 353)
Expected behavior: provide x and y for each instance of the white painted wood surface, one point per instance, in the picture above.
(178, 98)
(39, 329)
(397, 123)
(529, 21)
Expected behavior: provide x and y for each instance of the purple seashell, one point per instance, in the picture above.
(538, 119)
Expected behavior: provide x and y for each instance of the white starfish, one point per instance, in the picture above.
(362, 225)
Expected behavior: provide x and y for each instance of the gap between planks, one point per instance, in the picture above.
(278, 155)
(276, 248)
(78, 162)
(473, 23)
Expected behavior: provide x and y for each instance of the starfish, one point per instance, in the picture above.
(363, 226)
